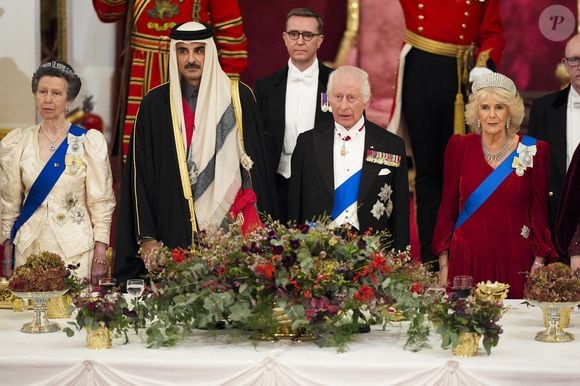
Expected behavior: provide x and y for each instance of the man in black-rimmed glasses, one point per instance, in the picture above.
(555, 118)
(293, 99)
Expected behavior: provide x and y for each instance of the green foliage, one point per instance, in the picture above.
(100, 308)
(452, 316)
(314, 279)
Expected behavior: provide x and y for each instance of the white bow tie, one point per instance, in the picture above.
(306, 79)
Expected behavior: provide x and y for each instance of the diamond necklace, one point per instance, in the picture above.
(52, 146)
(491, 157)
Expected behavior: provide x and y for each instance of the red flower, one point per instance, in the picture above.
(416, 288)
(178, 255)
(379, 263)
(307, 294)
(364, 294)
(267, 270)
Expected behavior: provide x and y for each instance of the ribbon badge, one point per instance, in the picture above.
(524, 159)
(378, 157)
(74, 153)
(324, 103)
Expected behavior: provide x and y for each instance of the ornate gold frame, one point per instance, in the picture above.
(350, 34)
(62, 29)
(53, 19)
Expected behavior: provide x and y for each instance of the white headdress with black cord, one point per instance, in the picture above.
(214, 156)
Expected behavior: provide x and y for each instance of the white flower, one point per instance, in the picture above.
(386, 192)
(525, 232)
(378, 209)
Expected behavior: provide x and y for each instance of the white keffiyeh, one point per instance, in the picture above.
(214, 156)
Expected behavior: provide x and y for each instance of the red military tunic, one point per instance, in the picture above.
(460, 22)
(153, 20)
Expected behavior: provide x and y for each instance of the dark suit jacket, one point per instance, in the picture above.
(270, 94)
(548, 123)
(312, 181)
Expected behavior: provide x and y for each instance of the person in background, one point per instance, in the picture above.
(147, 27)
(443, 41)
(568, 220)
(197, 156)
(351, 169)
(293, 99)
(555, 118)
(492, 222)
(57, 186)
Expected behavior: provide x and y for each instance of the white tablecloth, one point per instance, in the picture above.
(373, 359)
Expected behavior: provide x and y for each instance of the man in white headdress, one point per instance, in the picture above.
(188, 167)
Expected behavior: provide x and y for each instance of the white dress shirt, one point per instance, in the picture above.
(572, 125)
(348, 158)
(301, 90)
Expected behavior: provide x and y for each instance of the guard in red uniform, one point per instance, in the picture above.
(447, 42)
(149, 24)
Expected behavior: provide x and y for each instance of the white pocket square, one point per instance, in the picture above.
(384, 172)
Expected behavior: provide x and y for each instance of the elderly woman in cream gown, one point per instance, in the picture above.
(74, 219)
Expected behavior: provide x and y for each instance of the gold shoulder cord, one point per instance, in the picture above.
(237, 104)
(183, 172)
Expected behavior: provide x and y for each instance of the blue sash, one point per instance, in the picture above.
(345, 194)
(490, 184)
(44, 182)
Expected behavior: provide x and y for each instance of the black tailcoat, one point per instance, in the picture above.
(312, 181)
(548, 123)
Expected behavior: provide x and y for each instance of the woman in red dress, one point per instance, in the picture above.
(500, 232)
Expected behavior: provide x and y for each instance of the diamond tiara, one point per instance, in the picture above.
(495, 79)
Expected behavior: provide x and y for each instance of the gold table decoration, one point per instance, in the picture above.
(59, 307)
(40, 323)
(6, 297)
(564, 316)
(99, 338)
(495, 292)
(554, 332)
(284, 329)
(468, 344)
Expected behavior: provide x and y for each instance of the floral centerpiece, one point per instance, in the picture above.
(453, 316)
(101, 309)
(329, 282)
(554, 288)
(40, 273)
(554, 282)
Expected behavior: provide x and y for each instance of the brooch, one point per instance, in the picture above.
(384, 204)
(525, 232)
(524, 159)
(246, 161)
(381, 158)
